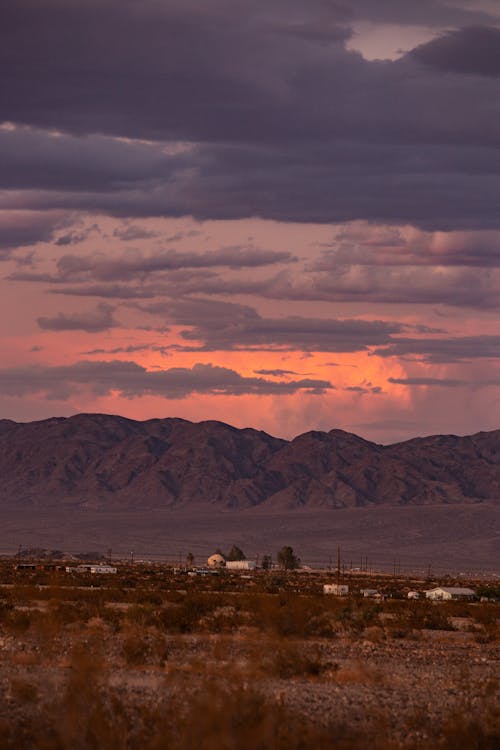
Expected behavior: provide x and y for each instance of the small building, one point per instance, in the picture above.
(240, 565)
(337, 589)
(94, 569)
(447, 593)
(216, 561)
(413, 595)
(371, 594)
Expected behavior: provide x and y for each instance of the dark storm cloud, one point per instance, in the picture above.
(273, 115)
(474, 50)
(214, 325)
(91, 321)
(124, 61)
(130, 380)
(346, 178)
(444, 350)
(39, 160)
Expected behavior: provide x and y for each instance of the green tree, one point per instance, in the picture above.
(287, 558)
(235, 553)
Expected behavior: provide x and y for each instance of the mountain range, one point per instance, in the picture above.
(103, 461)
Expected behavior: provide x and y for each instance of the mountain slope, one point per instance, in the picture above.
(104, 461)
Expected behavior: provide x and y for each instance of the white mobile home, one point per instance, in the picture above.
(240, 565)
(447, 593)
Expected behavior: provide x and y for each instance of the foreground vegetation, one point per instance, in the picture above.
(153, 659)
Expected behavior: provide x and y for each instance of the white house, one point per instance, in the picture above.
(337, 589)
(216, 561)
(413, 595)
(446, 593)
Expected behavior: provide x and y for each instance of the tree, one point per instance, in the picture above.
(267, 562)
(287, 558)
(189, 559)
(235, 553)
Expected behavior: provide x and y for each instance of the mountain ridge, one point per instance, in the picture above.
(109, 461)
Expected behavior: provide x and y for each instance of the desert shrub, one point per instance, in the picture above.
(486, 614)
(292, 659)
(18, 621)
(286, 615)
(23, 691)
(6, 609)
(144, 615)
(149, 597)
(140, 647)
(422, 615)
(186, 616)
(461, 730)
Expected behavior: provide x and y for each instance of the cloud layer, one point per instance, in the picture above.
(249, 182)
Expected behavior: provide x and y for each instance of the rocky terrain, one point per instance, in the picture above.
(98, 461)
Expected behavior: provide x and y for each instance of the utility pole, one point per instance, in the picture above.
(338, 565)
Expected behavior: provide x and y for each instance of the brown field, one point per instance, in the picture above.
(153, 659)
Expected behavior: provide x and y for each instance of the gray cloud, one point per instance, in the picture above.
(364, 389)
(131, 380)
(132, 349)
(275, 373)
(128, 231)
(474, 50)
(444, 350)
(388, 247)
(74, 236)
(91, 321)
(213, 325)
(435, 286)
(445, 382)
(429, 13)
(26, 228)
(324, 281)
(136, 266)
(440, 382)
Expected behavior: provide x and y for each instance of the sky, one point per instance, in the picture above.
(280, 214)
